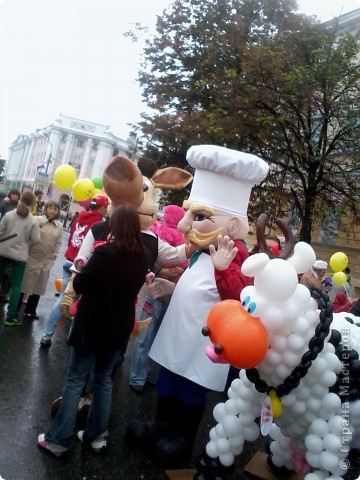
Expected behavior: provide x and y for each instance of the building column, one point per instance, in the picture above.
(85, 160)
(102, 159)
(52, 151)
(68, 148)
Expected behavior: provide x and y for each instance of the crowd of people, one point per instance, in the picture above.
(166, 274)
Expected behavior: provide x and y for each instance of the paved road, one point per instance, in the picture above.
(31, 377)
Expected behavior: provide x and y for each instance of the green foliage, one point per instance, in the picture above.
(2, 169)
(254, 75)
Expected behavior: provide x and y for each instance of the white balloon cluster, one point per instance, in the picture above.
(317, 427)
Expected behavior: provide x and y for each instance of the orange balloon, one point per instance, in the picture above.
(58, 284)
(244, 338)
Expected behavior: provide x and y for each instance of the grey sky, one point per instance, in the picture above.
(70, 56)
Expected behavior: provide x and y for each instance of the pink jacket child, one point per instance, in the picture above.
(169, 233)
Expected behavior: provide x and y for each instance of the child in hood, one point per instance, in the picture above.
(341, 303)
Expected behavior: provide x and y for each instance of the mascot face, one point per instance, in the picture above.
(148, 209)
(201, 225)
(124, 183)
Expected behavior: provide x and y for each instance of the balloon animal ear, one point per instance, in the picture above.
(171, 178)
(123, 182)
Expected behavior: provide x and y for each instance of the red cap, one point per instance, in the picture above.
(100, 201)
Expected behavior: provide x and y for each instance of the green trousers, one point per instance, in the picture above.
(17, 274)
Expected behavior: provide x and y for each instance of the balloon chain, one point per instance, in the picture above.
(316, 345)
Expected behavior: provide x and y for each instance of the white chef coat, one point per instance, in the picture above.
(179, 345)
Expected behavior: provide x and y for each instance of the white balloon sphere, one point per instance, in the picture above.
(291, 359)
(335, 424)
(295, 342)
(331, 402)
(236, 441)
(313, 476)
(291, 310)
(231, 425)
(313, 459)
(273, 357)
(223, 445)
(254, 264)
(314, 443)
(319, 427)
(313, 405)
(278, 343)
(277, 281)
(301, 325)
(230, 406)
(211, 450)
(303, 393)
(251, 432)
(328, 461)
(227, 459)
(299, 407)
(282, 370)
(318, 367)
(328, 379)
(219, 412)
(212, 434)
(272, 318)
(301, 295)
(319, 391)
(332, 442)
(220, 432)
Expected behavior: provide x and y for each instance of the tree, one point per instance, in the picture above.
(255, 76)
(2, 169)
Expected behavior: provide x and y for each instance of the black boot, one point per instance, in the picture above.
(143, 433)
(174, 449)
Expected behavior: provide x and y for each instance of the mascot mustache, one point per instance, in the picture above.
(203, 239)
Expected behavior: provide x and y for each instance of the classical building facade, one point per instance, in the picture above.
(87, 146)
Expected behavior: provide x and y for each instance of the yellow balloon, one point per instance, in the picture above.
(83, 189)
(338, 261)
(64, 177)
(339, 278)
(98, 191)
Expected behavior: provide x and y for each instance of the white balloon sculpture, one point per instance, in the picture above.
(318, 419)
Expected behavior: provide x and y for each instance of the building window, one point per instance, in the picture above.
(96, 146)
(80, 143)
(63, 138)
(115, 152)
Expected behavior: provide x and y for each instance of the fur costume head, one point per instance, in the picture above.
(126, 182)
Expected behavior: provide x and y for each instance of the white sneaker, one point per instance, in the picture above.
(100, 442)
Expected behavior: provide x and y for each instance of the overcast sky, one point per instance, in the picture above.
(70, 56)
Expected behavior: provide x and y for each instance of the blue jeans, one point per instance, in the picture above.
(140, 366)
(80, 365)
(55, 313)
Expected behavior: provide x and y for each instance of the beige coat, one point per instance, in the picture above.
(42, 257)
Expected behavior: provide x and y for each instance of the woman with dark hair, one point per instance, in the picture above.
(109, 284)
(10, 202)
(42, 256)
(18, 231)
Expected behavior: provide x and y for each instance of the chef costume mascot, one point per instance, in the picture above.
(215, 225)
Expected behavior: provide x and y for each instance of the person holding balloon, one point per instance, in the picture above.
(79, 229)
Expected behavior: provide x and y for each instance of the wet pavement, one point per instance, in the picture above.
(32, 377)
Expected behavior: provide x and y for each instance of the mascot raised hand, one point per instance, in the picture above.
(215, 225)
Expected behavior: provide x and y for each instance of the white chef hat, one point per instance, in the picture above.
(224, 178)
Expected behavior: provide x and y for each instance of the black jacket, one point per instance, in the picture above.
(109, 284)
